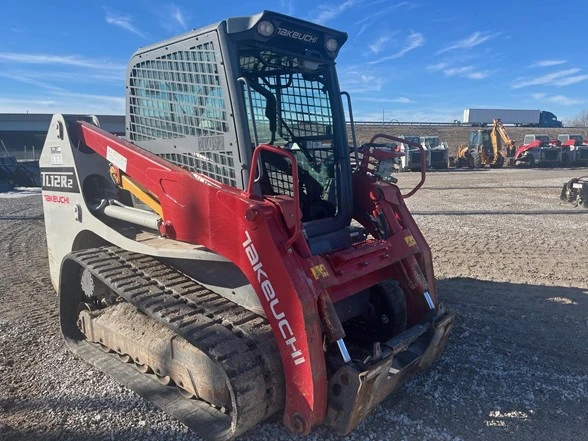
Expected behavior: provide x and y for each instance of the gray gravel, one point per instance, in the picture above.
(510, 259)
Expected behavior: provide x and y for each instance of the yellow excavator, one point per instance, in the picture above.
(486, 147)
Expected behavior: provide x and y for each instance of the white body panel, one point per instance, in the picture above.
(71, 225)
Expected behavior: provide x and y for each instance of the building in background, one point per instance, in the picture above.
(22, 135)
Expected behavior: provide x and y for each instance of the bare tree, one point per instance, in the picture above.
(580, 120)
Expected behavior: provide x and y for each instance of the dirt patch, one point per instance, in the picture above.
(510, 259)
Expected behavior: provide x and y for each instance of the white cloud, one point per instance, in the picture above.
(560, 77)
(356, 82)
(473, 40)
(564, 100)
(425, 114)
(329, 12)
(570, 80)
(450, 70)
(399, 100)
(65, 60)
(379, 44)
(125, 22)
(476, 75)
(547, 63)
(63, 103)
(28, 80)
(373, 16)
(557, 99)
(414, 40)
(178, 16)
(287, 6)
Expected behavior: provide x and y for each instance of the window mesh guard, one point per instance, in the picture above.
(305, 109)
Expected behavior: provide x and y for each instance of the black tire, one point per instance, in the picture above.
(477, 159)
(392, 302)
(531, 160)
(471, 162)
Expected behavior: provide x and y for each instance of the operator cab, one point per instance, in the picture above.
(578, 139)
(482, 138)
(531, 138)
(291, 100)
(430, 142)
(205, 100)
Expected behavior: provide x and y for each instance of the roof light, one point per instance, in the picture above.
(265, 28)
(332, 45)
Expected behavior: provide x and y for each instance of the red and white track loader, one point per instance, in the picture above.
(228, 247)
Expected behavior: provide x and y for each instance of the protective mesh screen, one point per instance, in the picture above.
(178, 94)
(305, 108)
(216, 165)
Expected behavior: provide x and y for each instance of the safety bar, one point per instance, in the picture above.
(295, 188)
(350, 110)
(423, 159)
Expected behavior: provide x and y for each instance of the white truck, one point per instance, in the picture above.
(529, 118)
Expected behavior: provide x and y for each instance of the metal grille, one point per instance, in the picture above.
(279, 176)
(305, 108)
(176, 95)
(280, 180)
(437, 156)
(216, 165)
(415, 157)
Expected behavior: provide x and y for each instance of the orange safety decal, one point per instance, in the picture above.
(319, 271)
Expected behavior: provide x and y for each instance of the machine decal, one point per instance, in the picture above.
(209, 143)
(309, 38)
(62, 179)
(319, 271)
(410, 241)
(56, 157)
(270, 296)
(116, 158)
(56, 199)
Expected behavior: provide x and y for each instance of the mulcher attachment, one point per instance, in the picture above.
(575, 191)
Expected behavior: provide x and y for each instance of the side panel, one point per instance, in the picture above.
(179, 107)
(70, 224)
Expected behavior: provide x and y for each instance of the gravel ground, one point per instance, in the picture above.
(510, 260)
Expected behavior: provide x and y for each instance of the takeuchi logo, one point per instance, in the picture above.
(274, 302)
(296, 35)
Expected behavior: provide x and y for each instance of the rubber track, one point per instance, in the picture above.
(241, 342)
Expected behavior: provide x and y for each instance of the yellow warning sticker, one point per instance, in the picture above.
(319, 271)
(410, 241)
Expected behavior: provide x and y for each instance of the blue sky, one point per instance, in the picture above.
(404, 60)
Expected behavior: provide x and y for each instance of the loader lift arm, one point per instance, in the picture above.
(501, 140)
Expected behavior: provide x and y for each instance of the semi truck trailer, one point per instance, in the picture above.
(528, 118)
